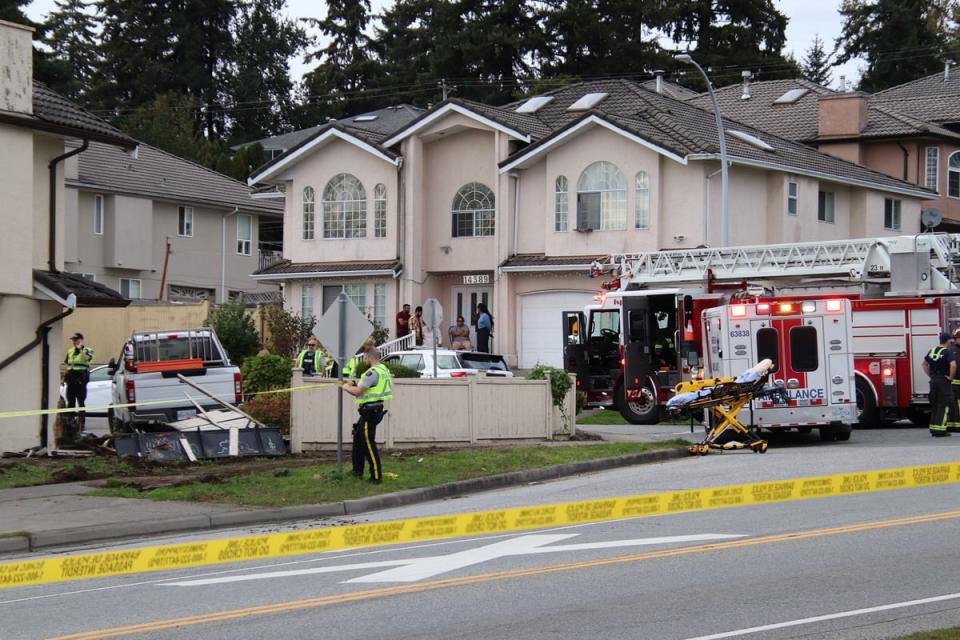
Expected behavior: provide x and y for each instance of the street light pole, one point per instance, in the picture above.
(724, 176)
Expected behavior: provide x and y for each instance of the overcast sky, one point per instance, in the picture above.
(807, 18)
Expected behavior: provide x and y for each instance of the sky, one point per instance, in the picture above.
(807, 19)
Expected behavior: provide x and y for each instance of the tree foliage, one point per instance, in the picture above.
(816, 63)
(288, 332)
(236, 331)
(71, 35)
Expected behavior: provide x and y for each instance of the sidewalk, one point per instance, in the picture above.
(63, 514)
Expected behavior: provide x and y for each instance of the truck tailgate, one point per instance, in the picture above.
(155, 393)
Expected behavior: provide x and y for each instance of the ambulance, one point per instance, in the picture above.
(810, 343)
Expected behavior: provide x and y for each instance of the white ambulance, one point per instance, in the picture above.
(810, 344)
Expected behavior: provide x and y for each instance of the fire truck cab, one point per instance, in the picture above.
(810, 343)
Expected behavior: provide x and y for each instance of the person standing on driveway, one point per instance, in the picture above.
(484, 328)
(940, 365)
(78, 361)
(311, 360)
(374, 388)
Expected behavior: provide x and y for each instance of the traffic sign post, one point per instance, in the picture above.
(433, 316)
(341, 330)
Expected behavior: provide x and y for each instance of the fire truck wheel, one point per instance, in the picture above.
(645, 411)
(867, 413)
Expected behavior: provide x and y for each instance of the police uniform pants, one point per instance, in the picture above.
(941, 397)
(365, 441)
(77, 392)
(953, 414)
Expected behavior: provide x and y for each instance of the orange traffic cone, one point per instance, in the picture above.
(688, 332)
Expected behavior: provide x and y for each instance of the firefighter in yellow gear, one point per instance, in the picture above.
(940, 365)
(374, 388)
(953, 415)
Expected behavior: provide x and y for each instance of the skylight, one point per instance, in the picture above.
(365, 118)
(534, 104)
(750, 139)
(791, 96)
(587, 102)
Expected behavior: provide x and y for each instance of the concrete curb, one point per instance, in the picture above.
(76, 535)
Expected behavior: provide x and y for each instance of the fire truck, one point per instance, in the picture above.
(644, 334)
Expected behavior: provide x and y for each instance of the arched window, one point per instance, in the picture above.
(473, 211)
(602, 198)
(642, 205)
(380, 211)
(562, 205)
(344, 208)
(953, 175)
(308, 212)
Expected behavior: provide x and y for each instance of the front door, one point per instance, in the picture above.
(464, 303)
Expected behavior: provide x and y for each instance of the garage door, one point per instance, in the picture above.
(541, 325)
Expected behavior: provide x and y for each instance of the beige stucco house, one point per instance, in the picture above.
(508, 205)
(35, 293)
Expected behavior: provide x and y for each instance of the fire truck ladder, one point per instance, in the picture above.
(934, 257)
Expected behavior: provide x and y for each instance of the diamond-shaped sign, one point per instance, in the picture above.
(432, 313)
(342, 328)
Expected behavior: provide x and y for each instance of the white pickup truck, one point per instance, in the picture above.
(146, 376)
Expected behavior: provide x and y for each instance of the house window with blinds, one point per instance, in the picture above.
(602, 198)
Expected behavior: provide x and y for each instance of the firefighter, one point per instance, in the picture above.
(311, 359)
(941, 366)
(953, 417)
(78, 361)
(374, 388)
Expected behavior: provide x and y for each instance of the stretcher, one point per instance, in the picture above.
(724, 398)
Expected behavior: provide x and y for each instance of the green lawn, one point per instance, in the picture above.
(317, 484)
(24, 474)
(942, 634)
(608, 416)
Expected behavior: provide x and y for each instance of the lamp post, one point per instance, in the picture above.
(724, 177)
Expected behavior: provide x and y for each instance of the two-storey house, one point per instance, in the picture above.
(509, 204)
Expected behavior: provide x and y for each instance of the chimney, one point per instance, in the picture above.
(946, 69)
(16, 67)
(746, 75)
(843, 84)
(841, 114)
(659, 73)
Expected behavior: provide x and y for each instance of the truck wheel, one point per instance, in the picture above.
(868, 415)
(828, 434)
(842, 432)
(645, 411)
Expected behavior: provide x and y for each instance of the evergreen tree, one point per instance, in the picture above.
(901, 41)
(72, 38)
(816, 63)
(261, 90)
(403, 48)
(169, 122)
(12, 11)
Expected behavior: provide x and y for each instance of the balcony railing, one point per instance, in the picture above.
(268, 258)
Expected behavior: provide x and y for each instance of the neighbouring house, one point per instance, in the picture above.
(38, 129)
(509, 204)
(909, 131)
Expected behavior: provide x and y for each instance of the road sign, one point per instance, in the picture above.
(432, 313)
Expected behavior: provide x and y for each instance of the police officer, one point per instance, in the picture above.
(941, 366)
(311, 360)
(375, 387)
(78, 361)
(953, 416)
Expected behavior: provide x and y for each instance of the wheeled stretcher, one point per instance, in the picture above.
(725, 397)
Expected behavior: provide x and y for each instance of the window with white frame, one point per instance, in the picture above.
(344, 208)
(306, 301)
(602, 198)
(793, 198)
(357, 294)
(130, 288)
(185, 222)
(380, 304)
(473, 212)
(953, 175)
(561, 209)
(244, 234)
(825, 206)
(98, 215)
(380, 211)
(931, 169)
(891, 214)
(642, 204)
(309, 209)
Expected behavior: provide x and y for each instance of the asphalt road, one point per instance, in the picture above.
(866, 566)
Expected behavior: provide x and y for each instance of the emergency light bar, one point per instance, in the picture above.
(786, 307)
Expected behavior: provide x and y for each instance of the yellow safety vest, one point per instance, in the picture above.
(381, 391)
(318, 363)
(78, 361)
(351, 366)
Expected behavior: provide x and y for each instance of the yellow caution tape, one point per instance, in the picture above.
(273, 545)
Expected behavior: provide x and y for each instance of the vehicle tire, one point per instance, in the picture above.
(868, 415)
(842, 432)
(804, 429)
(919, 417)
(643, 412)
(828, 434)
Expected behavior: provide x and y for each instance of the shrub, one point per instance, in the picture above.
(396, 370)
(265, 373)
(288, 331)
(581, 402)
(235, 329)
(559, 383)
(272, 409)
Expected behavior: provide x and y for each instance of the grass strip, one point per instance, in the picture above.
(31, 474)
(608, 416)
(317, 484)
(941, 634)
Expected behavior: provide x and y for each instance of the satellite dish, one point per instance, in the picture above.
(931, 218)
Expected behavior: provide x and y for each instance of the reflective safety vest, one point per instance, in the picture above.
(318, 361)
(79, 361)
(937, 365)
(381, 391)
(351, 366)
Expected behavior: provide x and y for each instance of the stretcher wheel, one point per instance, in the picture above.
(760, 446)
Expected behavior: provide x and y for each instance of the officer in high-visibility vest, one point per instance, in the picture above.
(375, 387)
(941, 366)
(953, 415)
(78, 361)
(311, 360)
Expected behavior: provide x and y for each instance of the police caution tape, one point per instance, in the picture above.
(259, 547)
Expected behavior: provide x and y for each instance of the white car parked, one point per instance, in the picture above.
(99, 394)
(448, 364)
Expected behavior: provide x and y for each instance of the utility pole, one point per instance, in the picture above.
(445, 88)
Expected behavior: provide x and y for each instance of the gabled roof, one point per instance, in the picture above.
(521, 126)
(86, 293)
(159, 175)
(54, 113)
(671, 89)
(936, 85)
(944, 109)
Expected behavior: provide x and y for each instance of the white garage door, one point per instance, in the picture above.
(541, 325)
